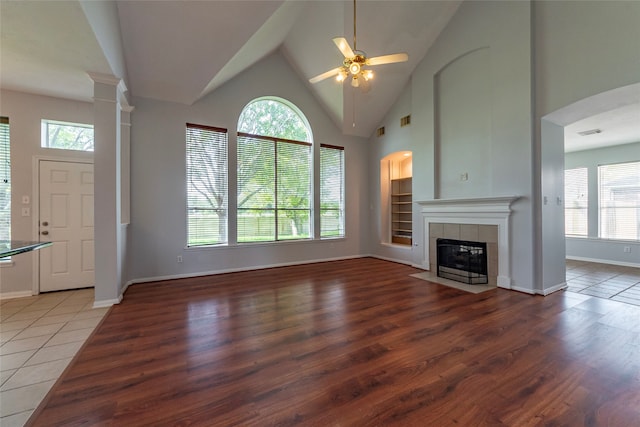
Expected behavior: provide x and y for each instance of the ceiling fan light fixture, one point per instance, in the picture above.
(355, 60)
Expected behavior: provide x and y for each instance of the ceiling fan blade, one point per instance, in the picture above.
(388, 59)
(326, 75)
(343, 46)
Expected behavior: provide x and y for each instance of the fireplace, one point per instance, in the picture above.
(462, 260)
(481, 219)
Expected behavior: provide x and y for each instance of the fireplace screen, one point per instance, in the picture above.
(462, 261)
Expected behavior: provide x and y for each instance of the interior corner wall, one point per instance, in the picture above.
(158, 229)
(504, 30)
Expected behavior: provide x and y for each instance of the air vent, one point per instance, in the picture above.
(380, 131)
(405, 121)
(590, 132)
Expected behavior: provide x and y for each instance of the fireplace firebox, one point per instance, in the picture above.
(462, 261)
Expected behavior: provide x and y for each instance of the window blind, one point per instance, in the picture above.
(619, 201)
(207, 195)
(576, 196)
(5, 180)
(331, 191)
(274, 189)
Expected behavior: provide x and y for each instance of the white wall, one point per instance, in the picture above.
(158, 230)
(593, 248)
(582, 49)
(396, 138)
(502, 31)
(25, 113)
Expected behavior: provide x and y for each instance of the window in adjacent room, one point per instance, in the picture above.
(206, 185)
(576, 196)
(5, 180)
(274, 173)
(331, 191)
(67, 136)
(619, 201)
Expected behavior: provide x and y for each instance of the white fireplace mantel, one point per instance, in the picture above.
(483, 211)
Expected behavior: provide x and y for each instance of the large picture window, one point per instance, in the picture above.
(619, 201)
(331, 191)
(274, 173)
(5, 180)
(576, 196)
(206, 185)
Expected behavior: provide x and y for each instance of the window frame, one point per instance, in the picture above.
(276, 210)
(5, 175)
(577, 209)
(218, 134)
(341, 202)
(44, 135)
(602, 207)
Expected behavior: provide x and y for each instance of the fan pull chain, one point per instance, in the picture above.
(353, 104)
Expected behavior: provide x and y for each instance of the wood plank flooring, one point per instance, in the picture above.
(351, 343)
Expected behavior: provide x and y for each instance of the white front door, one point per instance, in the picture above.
(66, 219)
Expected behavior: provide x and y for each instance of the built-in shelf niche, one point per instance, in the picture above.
(396, 186)
(401, 211)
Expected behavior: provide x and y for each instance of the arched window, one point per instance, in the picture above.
(274, 172)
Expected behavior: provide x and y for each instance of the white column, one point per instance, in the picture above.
(107, 190)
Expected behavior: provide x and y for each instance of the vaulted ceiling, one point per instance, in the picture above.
(181, 51)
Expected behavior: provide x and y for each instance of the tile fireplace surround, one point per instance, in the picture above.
(467, 218)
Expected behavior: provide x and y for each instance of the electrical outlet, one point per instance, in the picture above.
(464, 176)
(179, 259)
(627, 249)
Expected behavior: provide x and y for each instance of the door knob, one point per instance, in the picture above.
(44, 233)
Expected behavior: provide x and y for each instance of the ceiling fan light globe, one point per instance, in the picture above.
(355, 82)
(354, 68)
(368, 74)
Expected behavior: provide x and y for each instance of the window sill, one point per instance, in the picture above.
(598, 239)
(242, 245)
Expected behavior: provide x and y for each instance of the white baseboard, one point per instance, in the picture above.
(17, 294)
(524, 290)
(604, 261)
(232, 270)
(556, 288)
(107, 302)
(399, 261)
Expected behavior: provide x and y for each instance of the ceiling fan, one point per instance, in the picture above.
(355, 62)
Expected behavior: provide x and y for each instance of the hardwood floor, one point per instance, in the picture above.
(351, 343)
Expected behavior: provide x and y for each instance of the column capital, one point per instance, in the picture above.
(111, 80)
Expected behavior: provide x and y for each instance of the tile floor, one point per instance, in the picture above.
(604, 281)
(38, 337)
